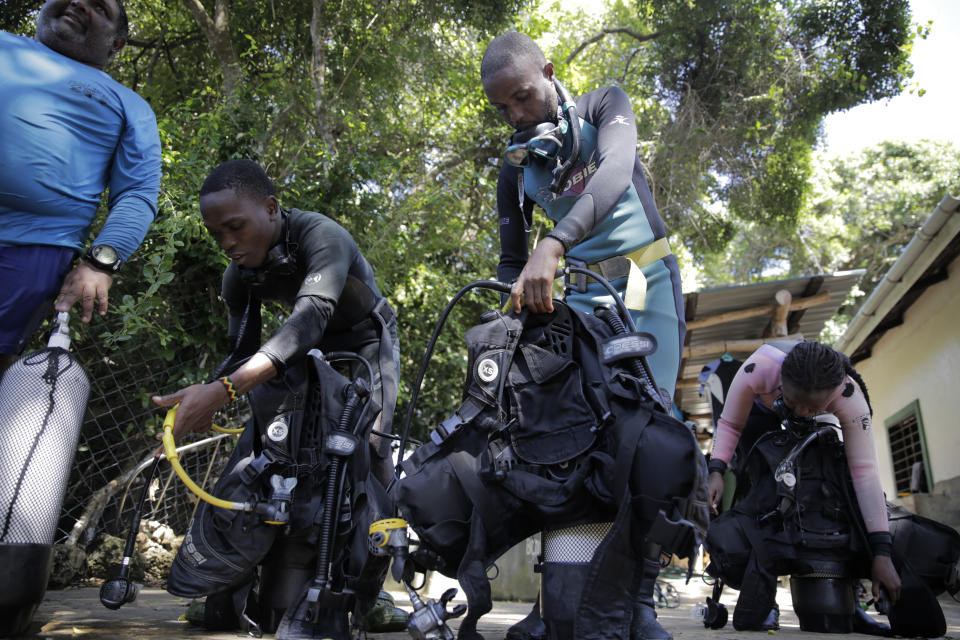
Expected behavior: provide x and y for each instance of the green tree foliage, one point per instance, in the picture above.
(730, 95)
(367, 112)
(372, 112)
(862, 211)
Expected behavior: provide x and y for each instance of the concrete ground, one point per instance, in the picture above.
(77, 613)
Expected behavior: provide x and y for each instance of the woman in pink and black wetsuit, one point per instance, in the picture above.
(810, 379)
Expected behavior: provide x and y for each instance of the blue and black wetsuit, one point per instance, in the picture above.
(605, 210)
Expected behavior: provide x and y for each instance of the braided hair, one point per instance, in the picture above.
(814, 366)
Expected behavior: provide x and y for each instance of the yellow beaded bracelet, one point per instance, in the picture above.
(228, 385)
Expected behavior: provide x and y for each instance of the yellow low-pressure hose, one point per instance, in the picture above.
(236, 431)
(170, 449)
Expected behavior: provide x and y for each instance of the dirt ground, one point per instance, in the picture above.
(77, 613)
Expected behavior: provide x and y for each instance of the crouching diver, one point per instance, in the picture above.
(577, 160)
(309, 263)
(814, 508)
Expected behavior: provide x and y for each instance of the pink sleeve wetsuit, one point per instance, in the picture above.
(759, 380)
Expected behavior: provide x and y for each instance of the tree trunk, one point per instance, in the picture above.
(217, 32)
(318, 74)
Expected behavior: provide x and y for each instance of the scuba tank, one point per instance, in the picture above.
(43, 396)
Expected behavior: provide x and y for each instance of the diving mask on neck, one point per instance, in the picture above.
(542, 142)
(788, 417)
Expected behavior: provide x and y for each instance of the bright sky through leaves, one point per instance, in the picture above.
(911, 116)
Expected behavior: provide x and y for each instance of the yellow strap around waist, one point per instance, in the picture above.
(656, 250)
(635, 295)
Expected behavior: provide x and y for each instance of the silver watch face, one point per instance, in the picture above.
(104, 254)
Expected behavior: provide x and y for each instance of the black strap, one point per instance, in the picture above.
(629, 441)
(469, 410)
(247, 340)
(389, 380)
(464, 466)
(676, 536)
(606, 604)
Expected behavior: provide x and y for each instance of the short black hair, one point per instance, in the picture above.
(245, 177)
(507, 49)
(123, 24)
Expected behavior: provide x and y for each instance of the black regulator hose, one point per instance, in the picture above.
(568, 110)
(638, 366)
(119, 591)
(354, 395)
(493, 285)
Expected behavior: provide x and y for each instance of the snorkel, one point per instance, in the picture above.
(568, 110)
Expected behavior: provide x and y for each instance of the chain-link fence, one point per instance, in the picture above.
(118, 438)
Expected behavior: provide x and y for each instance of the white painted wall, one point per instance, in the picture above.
(920, 360)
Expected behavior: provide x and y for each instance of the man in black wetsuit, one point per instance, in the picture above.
(306, 261)
(309, 263)
(605, 220)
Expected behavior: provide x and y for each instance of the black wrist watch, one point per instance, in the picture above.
(716, 465)
(103, 257)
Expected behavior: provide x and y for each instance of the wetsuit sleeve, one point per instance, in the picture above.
(301, 331)
(610, 112)
(756, 375)
(513, 231)
(134, 182)
(850, 407)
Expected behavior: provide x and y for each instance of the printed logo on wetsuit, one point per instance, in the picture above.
(89, 91)
(313, 278)
(620, 120)
(863, 421)
(575, 184)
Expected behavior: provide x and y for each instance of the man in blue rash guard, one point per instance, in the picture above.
(68, 132)
(603, 214)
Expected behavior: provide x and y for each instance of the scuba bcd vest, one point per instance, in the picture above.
(554, 429)
(800, 509)
(285, 439)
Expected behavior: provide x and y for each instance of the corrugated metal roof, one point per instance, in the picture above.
(709, 302)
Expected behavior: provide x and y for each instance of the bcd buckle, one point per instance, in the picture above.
(575, 281)
(446, 429)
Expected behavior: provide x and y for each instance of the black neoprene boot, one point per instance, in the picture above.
(755, 605)
(645, 625)
(863, 623)
(531, 627)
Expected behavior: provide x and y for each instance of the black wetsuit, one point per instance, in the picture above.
(318, 270)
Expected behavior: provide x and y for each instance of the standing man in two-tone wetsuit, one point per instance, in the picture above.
(605, 218)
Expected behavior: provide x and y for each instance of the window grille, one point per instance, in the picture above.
(908, 451)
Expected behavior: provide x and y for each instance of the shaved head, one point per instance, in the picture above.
(510, 49)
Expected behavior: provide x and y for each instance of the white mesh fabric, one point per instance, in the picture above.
(39, 435)
(576, 544)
